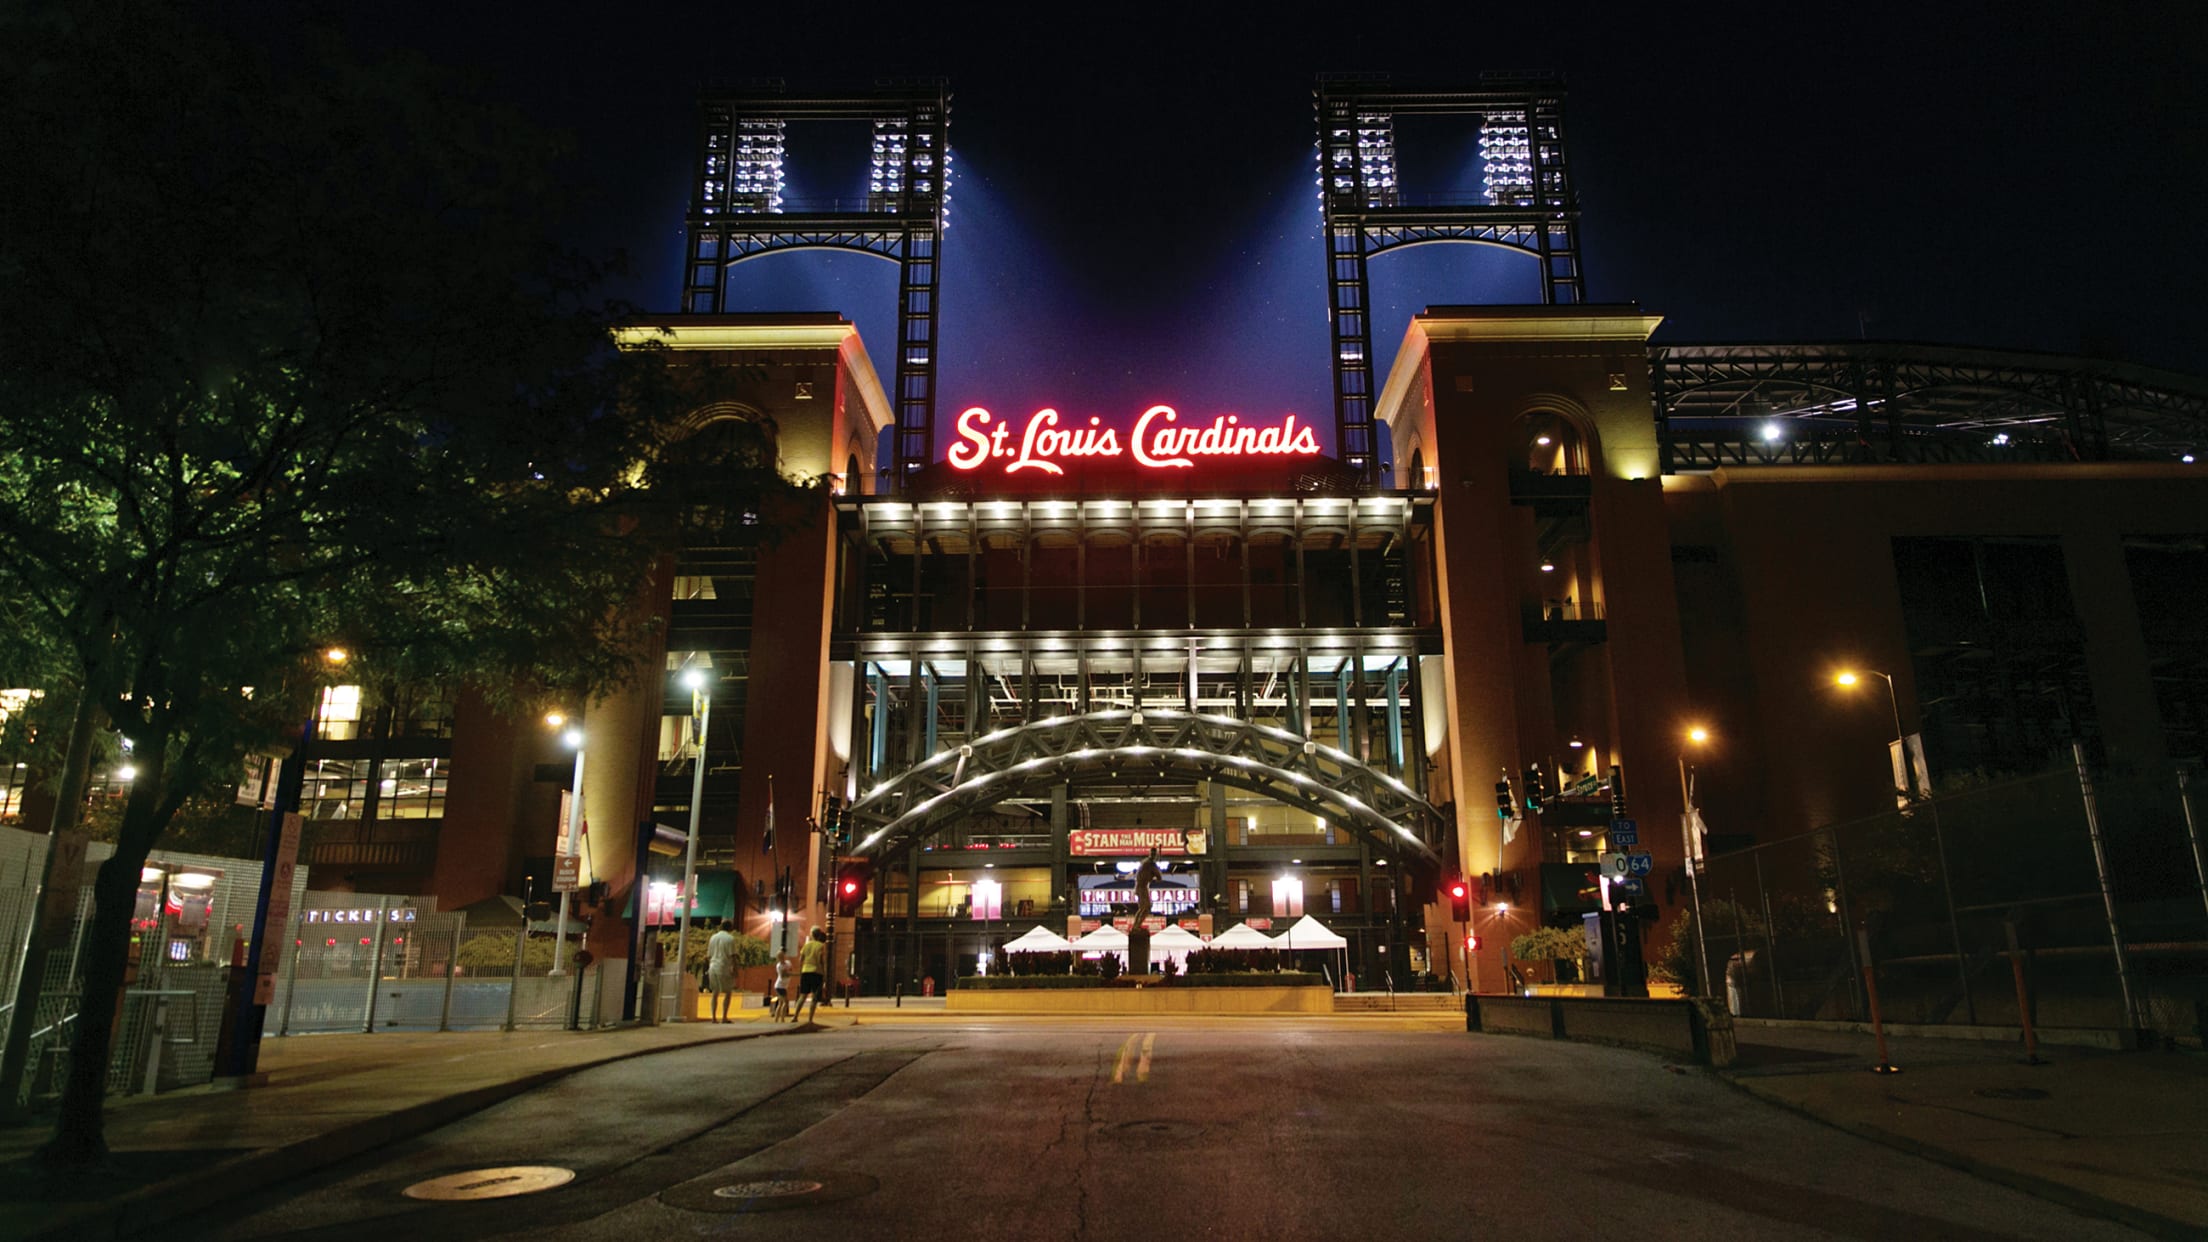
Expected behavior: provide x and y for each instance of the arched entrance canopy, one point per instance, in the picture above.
(1154, 744)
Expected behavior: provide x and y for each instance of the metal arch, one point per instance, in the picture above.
(1382, 235)
(1166, 742)
(886, 244)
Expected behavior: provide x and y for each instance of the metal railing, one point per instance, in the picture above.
(2069, 901)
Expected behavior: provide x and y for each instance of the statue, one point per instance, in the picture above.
(1138, 936)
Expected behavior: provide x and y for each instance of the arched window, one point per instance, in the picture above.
(1551, 443)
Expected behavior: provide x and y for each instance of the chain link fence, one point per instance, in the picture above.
(1976, 907)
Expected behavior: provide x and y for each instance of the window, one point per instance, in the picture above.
(338, 719)
(11, 792)
(414, 789)
(336, 788)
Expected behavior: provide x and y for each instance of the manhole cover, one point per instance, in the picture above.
(2011, 1093)
(767, 1191)
(499, 1183)
(1155, 1131)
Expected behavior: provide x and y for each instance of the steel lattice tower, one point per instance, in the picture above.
(737, 212)
(1528, 205)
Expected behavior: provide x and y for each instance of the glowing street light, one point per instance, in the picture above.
(574, 738)
(1690, 828)
(701, 705)
(1848, 679)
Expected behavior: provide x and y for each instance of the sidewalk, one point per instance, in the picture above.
(2118, 1134)
(325, 1098)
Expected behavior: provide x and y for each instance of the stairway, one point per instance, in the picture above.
(1400, 1002)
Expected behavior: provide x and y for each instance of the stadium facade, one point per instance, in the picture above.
(1021, 649)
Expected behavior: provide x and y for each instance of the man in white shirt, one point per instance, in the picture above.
(720, 969)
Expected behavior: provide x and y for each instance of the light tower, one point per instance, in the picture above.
(1527, 204)
(738, 211)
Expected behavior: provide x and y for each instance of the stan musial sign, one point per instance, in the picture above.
(1157, 442)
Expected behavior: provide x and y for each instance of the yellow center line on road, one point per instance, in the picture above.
(1119, 1071)
(1142, 1069)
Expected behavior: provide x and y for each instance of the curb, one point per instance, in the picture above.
(157, 1203)
(2153, 1223)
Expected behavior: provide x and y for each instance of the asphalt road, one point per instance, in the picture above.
(1120, 1130)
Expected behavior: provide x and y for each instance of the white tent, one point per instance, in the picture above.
(1175, 939)
(1175, 942)
(1243, 936)
(1105, 939)
(1039, 940)
(1309, 933)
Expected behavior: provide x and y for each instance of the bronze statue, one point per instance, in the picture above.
(1138, 936)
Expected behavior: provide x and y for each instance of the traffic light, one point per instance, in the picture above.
(1472, 943)
(1617, 792)
(833, 821)
(1460, 899)
(1536, 788)
(1506, 806)
(852, 879)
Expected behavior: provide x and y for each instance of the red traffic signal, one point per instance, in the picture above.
(1460, 900)
(850, 890)
(1472, 944)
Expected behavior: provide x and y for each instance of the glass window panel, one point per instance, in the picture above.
(413, 789)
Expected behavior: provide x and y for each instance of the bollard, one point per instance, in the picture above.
(521, 952)
(898, 991)
(1870, 987)
(2023, 995)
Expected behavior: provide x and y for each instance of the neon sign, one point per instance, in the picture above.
(1157, 441)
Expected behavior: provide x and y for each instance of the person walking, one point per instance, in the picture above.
(781, 987)
(812, 974)
(720, 968)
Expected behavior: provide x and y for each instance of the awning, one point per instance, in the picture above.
(716, 899)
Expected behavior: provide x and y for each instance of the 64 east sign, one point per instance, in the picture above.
(1158, 442)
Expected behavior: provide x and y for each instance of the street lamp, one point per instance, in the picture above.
(1848, 679)
(574, 738)
(1689, 831)
(701, 706)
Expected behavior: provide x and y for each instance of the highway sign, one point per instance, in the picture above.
(1624, 832)
(1630, 885)
(1615, 867)
(1640, 864)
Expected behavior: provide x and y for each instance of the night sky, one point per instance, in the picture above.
(1134, 216)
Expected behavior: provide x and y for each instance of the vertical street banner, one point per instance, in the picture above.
(278, 924)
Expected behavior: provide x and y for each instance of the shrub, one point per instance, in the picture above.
(750, 950)
(1551, 944)
(1039, 963)
(492, 953)
(1232, 961)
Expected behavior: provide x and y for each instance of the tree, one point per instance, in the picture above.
(1552, 945)
(290, 356)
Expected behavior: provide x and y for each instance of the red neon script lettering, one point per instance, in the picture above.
(1156, 442)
